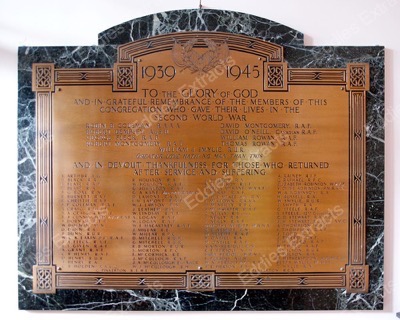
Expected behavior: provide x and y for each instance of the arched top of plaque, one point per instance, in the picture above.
(215, 42)
(201, 20)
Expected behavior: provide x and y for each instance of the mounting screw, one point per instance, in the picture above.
(199, 268)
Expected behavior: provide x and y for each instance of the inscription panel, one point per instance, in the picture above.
(212, 188)
(198, 164)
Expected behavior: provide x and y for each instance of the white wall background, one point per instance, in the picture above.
(77, 22)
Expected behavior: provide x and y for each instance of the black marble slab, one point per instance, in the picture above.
(103, 56)
(201, 20)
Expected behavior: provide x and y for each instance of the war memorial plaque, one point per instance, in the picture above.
(201, 161)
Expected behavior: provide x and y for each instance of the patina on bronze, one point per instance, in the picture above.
(201, 162)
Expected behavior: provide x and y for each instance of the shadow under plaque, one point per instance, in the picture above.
(201, 160)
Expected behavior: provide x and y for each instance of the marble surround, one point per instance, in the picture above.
(298, 56)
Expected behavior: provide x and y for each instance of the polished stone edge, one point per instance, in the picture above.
(201, 20)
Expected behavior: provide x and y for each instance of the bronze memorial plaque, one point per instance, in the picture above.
(201, 161)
